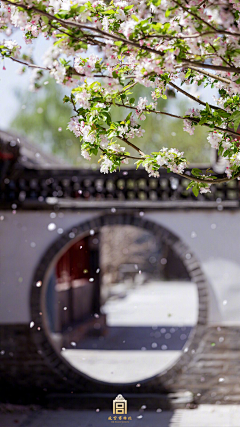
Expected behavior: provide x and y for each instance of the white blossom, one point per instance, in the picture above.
(161, 160)
(82, 98)
(151, 171)
(75, 127)
(85, 154)
(205, 189)
(116, 148)
(188, 126)
(214, 138)
(104, 141)
(58, 72)
(122, 130)
(106, 165)
(142, 102)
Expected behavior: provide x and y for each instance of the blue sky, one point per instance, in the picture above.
(10, 80)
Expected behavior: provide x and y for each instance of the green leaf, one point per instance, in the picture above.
(226, 153)
(128, 7)
(208, 108)
(93, 84)
(223, 113)
(195, 190)
(138, 163)
(236, 122)
(107, 117)
(156, 2)
(167, 13)
(157, 26)
(45, 19)
(94, 151)
(196, 172)
(202, 121)
(188, 73)
(135, 18)
(192, 183)
(63, 14)
(109, 12)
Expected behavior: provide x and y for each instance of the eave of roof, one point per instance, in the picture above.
(31, 154)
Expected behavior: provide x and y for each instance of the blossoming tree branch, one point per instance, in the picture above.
(102, 49)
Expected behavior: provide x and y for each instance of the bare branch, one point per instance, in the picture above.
(27, 64)
(184, 175)
(191, 36)
(73, 72)
(179, 89)
(124, 156)
(212, 67)
(195, 120)
(213, 76)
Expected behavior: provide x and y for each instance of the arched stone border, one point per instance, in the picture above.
(70, 378)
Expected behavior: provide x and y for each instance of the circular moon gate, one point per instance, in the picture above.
(71, 379)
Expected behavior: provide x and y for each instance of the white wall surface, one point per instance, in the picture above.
(213, 236)
(24, 237)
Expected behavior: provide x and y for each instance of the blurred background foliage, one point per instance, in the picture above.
(43, 118)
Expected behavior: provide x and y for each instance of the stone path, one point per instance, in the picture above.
(207, 416)
(67, 418)
(203, 416)
(147, 331)
(121, 366)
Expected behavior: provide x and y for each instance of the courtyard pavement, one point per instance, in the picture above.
(203, 416)
(147, 330)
